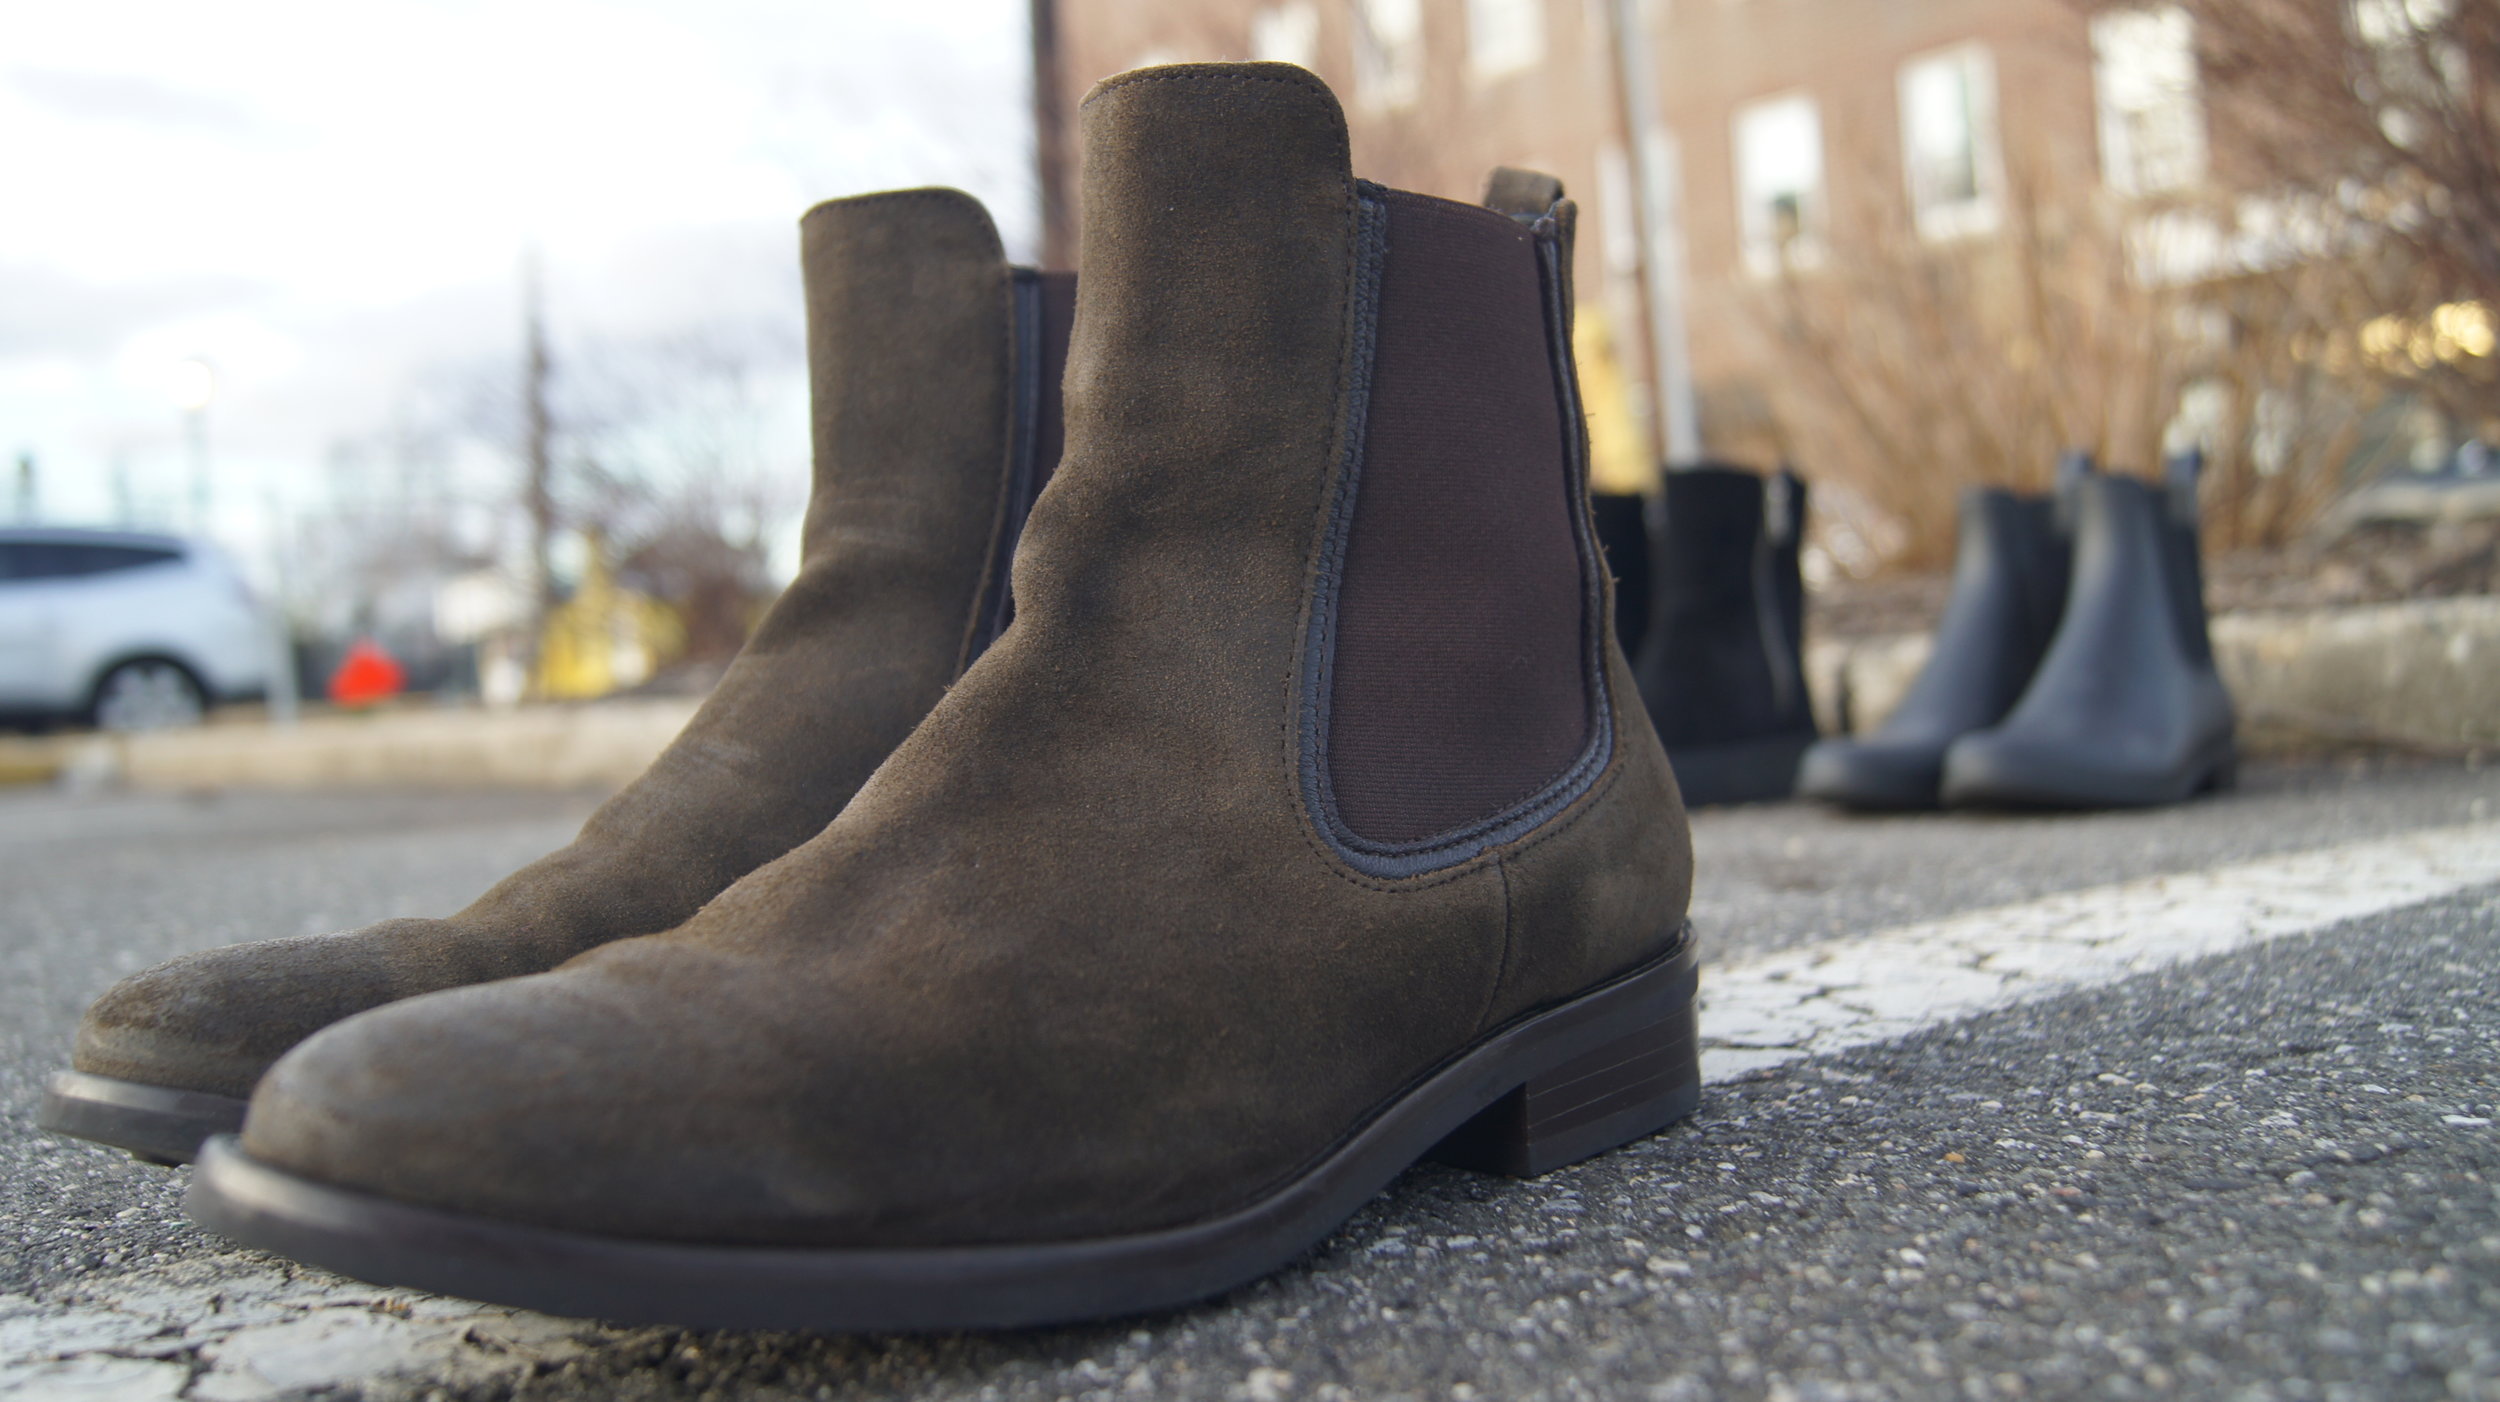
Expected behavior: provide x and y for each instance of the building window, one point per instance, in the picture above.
(2382, 23)
(1779, 182)
(2152, 121)
(1388, 53)
(1504, 36)
(1949, 142)
(1286, 34)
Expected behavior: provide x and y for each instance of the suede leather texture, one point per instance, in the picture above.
(908, 347)
(1075, 962)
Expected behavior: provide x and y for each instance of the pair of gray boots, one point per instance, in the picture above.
(1104, 870)
(2072, 667)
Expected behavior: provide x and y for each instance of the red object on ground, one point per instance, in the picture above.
(367, 674)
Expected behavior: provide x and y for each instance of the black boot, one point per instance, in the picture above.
(1623, 538)
(2127, 708)
(2009, 588)
(1723, 667)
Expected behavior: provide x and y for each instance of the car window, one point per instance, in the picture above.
(49, 559)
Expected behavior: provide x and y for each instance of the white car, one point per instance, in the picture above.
(122, 630)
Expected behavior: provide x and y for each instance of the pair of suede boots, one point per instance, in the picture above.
(1136, 835)
(2072, 667)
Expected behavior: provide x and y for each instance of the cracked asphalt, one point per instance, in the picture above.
(2269, 1174)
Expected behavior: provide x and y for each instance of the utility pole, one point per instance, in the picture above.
(285, 697)
(125, 500)
(538, 490)
(1657, 184)
(1050, 141)
(195, 384)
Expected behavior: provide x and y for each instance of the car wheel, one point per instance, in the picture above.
(149, 694)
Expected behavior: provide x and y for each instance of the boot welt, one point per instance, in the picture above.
(1613, 1065)
(157, 1124)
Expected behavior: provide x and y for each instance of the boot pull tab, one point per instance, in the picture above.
(2073, 466)
(2182, 473)
(1534, 199)
(1524, 195)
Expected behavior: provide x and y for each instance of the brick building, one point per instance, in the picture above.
(1757, 136)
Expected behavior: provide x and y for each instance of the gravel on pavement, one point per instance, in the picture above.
(2269, 1174)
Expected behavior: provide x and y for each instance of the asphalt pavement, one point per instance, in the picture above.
(2271, 1173)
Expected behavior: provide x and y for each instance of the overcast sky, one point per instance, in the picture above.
(329, 202)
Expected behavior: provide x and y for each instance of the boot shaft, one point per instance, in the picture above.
(2010, 566)
(2127, 707)
(1723, 660)
(1300, 402)
(2015, 545)
(2185, 553)
(1623, 541)
(933, 370)
(2129, 622)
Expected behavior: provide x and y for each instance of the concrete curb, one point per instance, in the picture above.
(28, 761)
(555, 747)
(2423, 676)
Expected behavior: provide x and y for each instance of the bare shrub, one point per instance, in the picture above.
(2369, 132)
(1904, 370)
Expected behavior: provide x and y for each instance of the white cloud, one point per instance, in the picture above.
(324, 200)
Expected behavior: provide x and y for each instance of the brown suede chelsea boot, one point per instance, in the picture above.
(1305, 823)
(934, 369)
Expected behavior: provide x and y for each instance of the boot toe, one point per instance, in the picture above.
(2019, 771)
(214, 1021)
(557, 1100)
(2006, 770)
(1872, 773)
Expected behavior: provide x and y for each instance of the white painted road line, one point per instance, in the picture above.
(1854, 991)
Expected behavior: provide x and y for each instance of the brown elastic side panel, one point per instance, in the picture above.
(1042, 436)
(1461, 684)
(1058, 320)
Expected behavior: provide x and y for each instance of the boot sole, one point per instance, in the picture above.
(2078, 786)
(1836, 777)
(1613, 1065)
(156, 1124)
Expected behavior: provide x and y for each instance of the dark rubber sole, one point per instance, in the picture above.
(1611, 1066)
(1741, 771)
(1839, 772)
(1970, 784)
(154, 1123)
